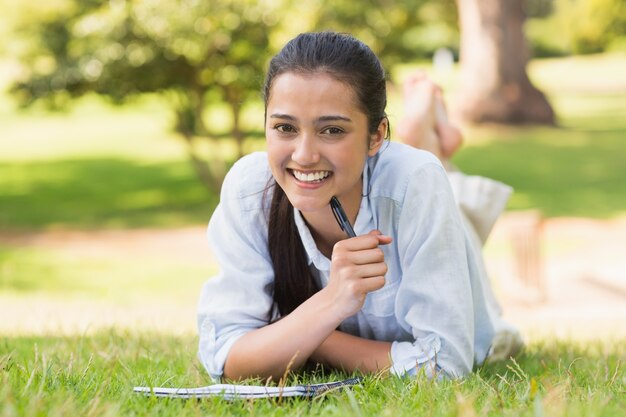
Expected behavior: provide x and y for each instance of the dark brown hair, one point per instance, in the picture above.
(350, 61)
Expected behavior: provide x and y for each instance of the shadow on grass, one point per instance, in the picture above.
(101, 193)
(562, 172)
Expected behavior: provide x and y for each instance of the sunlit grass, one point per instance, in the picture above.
(562, 172)
(95, 375)
(110, 276)
(591, 74)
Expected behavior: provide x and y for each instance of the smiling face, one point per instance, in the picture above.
(317, 140)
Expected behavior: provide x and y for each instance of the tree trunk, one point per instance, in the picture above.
(494, 84)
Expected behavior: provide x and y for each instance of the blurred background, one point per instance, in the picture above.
(118, 120)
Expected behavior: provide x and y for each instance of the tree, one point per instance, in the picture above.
(494, 83)
(194, 52)
(388, 27)
(398, 31)
(590, 26)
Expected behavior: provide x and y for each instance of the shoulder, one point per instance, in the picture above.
(396, 165)
(248, 181)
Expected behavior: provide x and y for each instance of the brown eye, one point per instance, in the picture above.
(285, 128)
(333, 131)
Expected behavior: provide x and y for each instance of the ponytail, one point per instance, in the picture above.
(293, 281)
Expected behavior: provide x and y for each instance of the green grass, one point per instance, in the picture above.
(94, 375)
(574, 170)
(104, 192)
(120, 279)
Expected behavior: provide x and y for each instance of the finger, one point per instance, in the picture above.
(372, 284)
(382, 239)
(371, 270)
(368, 241)
(367, 256)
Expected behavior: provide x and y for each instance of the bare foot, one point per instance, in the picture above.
(450, 137)
(425, 124)
(417, 127)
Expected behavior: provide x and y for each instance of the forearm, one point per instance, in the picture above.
(287, 343)
(344, 351)
(357, 268)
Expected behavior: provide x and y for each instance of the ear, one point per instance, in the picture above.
(377, 138)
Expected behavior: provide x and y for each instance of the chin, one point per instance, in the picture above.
(308, 204)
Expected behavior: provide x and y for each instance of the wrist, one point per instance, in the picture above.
(331, 307)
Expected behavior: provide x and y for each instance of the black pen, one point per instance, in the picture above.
(341, 217)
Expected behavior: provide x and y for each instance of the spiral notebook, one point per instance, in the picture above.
(231, 391)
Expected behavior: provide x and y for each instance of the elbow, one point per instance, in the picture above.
(233, 373)
(240, 373)
(240, 366)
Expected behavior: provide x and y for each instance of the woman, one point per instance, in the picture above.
(406, 293)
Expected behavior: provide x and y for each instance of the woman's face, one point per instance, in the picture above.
(317, 140)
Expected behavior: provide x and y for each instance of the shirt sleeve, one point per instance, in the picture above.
(237, 300)
(434, 301)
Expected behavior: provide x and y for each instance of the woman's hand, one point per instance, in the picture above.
(357, 268)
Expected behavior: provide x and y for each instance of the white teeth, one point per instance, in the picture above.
(310, 177)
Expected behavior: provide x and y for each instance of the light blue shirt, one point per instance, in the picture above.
(435, 307)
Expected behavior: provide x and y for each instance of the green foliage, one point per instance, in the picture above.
(590, 25)
(398, 31)
(119, 49)
(583, 26)
(94, 375)
(192, 51)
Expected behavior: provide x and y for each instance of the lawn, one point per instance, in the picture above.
(94, 376)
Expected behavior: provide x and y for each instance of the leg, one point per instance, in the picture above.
(425, 124)
(450, 136)
(417, 128)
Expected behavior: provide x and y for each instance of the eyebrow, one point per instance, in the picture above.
(333, 118)
(329, 118)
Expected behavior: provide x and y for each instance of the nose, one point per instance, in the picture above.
(305, 152)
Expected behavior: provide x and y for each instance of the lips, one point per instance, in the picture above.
(310, 176)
